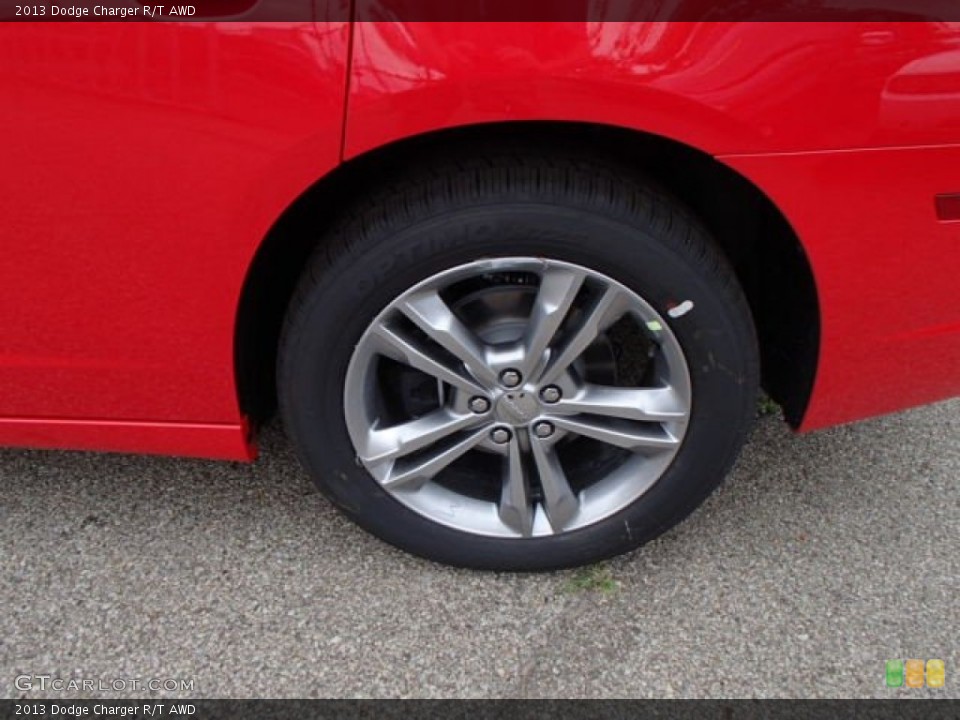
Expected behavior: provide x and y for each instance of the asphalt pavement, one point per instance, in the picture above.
(822, 557)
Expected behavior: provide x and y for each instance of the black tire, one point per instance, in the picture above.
(567, 207)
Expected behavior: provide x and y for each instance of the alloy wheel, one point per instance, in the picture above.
(517, 397)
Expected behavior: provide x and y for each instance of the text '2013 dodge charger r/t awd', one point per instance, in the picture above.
(512, 287)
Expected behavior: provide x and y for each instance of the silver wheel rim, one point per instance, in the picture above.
(517, 397)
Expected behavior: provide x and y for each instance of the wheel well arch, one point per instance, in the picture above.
(763, 248)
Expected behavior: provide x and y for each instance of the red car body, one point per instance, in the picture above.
(145, 164)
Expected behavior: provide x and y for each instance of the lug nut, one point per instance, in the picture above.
(479, 405)
(543, 429)
(551, 394)
(510, 378)
(501, 436)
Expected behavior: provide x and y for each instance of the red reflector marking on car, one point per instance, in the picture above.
(948, 207)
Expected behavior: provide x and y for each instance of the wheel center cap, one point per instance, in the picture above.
(518, 408)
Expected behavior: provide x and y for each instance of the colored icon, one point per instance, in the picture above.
(936, 673)
(914, 673)
(894, 673)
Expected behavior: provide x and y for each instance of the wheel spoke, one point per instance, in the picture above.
(403, 349)
(620, 433)
(643, 404)
(516, 510)
(558, 289)
(413, 474)
(400, 440)
(430, 313)
(604, 312)
(560, 505)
